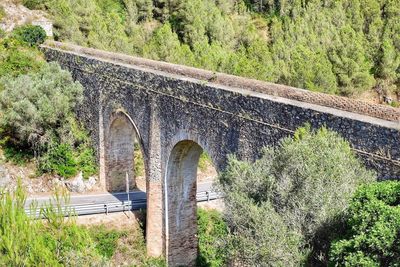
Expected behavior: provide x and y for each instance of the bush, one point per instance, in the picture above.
(86, 161)
(17, 58)
(138, 160)
(54, 241)
(296, 190)
(34, 4)
(60, 160)
(2, 13)
(204, 161)
(36, 108)
(16, 155)
(211, 231)
(65, 161)
(33, 35)
(372, 236)
(38, 115)
(105, 239)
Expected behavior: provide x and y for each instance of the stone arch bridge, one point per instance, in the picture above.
(178, 111)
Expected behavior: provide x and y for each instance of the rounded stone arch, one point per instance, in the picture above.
(121, 135)
(180, 188)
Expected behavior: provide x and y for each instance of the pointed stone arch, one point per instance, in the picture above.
(119, 157)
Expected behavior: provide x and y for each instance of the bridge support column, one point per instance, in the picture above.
(154, 223)
(155, 242)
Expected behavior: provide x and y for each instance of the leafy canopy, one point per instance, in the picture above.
(345, 47)
(372, 228)
(280, 208)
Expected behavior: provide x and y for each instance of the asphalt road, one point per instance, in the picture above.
(136, 196)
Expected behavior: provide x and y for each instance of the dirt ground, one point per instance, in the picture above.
(118, 220)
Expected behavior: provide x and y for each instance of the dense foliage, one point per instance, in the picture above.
(373, 228)
(30, 34)
(342, 46)
(59, 241)
(54, 241)
(36, 107)
(16, 58)
(37, 102)
(212, 229)
(282, 209)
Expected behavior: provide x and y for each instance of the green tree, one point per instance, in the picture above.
(372, 228)
(37, 118)
(296, 191)
(164, 45)
(36, 107)
(350, 63)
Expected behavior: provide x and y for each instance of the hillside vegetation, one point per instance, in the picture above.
(37, 103)
(346, 47)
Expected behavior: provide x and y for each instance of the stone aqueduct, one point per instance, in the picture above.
(178, 111)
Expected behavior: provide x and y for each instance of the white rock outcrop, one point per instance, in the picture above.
(80, 185)
(17, 14)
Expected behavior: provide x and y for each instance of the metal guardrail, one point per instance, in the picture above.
(118, 206)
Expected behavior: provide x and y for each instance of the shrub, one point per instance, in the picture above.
(60, 160)
(38, 116)
(204, 161)
(34, 4)
(16, 155)
(16, 58)
(86, 161)
(211, 231)
(299, 188)
(33, 35)
(105, 239)
(36, 108)
(372, 236)
(139, 161)
(2, 33)
(54, 241)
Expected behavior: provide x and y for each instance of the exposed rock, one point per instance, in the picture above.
(79, 185)
(5, 178)
(57, 182)
(17, 14)
(90, 183)
(76, 184)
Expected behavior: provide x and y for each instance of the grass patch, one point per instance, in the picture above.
(106, 239)
(123, 246)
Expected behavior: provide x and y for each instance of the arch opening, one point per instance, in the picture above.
(181, 184)
(124, 158)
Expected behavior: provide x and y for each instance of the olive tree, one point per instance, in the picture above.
(288, 201)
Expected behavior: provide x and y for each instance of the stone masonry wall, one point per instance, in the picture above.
(343, 103)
